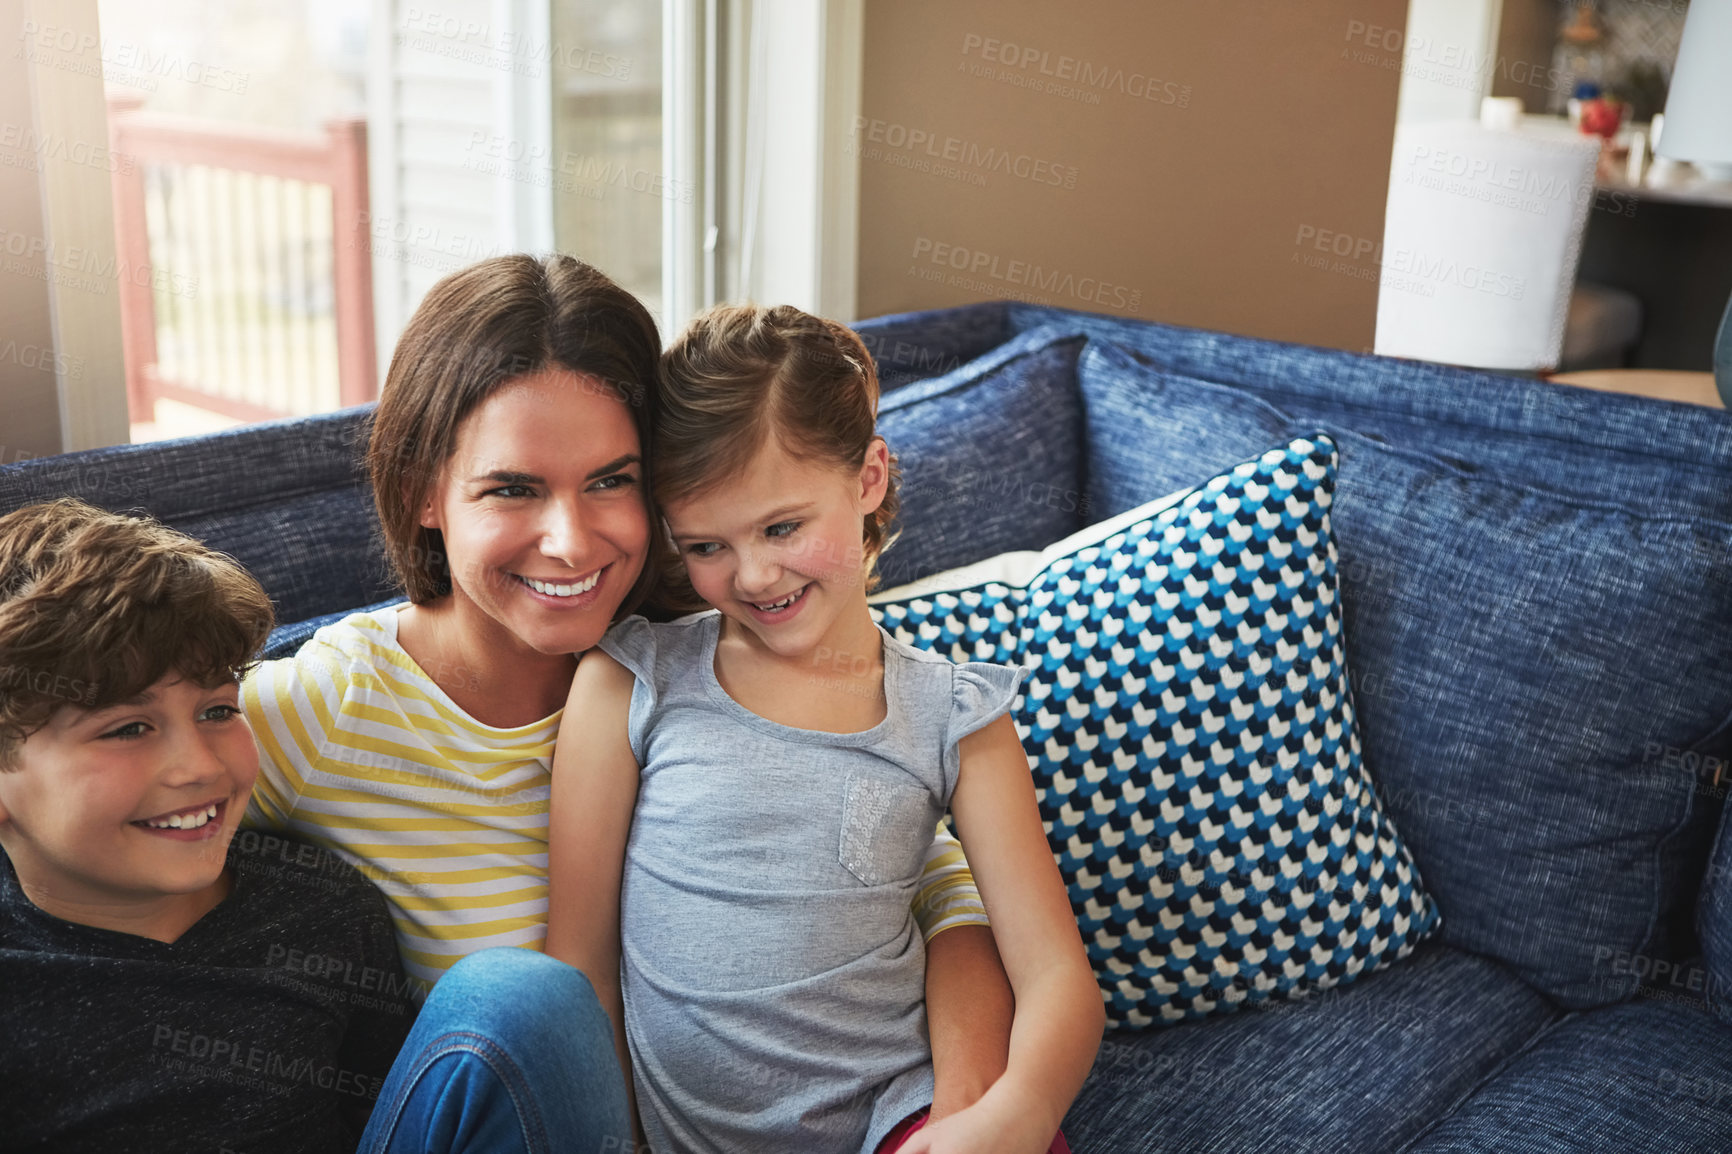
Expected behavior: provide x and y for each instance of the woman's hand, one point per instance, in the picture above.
(983, 1128)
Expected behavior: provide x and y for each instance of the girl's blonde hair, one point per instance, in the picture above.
(739, 373)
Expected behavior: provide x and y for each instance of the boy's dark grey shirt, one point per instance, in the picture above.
(268, 1026)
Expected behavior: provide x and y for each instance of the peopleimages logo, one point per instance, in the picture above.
(966, 153)
(57, 146)
(1442, 270)
(484, 38)
(1065, 69)
(1495, 173)
(1404, 269)
(975, 269)
(83, 268)
(68, 49)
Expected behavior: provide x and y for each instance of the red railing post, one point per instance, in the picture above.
(357, 359)
(132, 269)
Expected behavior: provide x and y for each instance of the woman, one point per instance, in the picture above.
(508, 460)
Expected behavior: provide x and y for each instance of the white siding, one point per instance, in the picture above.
(446, 106)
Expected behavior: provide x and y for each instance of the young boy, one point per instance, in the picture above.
(167, 986)
(164, 985)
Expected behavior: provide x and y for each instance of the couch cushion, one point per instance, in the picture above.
(911, 347)
(288, 499)
(1517, 658)
(286, 640)
(1363, 1068)
(1560, 438)
(1193, 743)
(1650, 1076)
(991, 456)
(1714, 914)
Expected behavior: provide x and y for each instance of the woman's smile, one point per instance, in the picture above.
(563, 592)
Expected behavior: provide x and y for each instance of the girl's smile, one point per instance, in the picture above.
(778, 611)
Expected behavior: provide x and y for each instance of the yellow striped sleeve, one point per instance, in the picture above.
(289, 705)
(947, 897)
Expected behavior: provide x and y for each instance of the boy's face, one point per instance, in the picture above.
(129, 803)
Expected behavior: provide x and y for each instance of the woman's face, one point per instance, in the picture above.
(542, 510)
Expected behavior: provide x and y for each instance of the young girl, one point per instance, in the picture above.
(786, 759)
(507, 459)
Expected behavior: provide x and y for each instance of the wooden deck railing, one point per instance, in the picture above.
(247, 285)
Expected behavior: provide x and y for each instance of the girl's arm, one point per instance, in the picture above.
(595, 781)
(1059, 1017)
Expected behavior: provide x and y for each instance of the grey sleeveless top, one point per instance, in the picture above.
(774, 976)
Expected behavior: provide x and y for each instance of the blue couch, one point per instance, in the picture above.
(1537, 589)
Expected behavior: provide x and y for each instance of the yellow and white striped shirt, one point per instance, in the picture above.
(361, 752)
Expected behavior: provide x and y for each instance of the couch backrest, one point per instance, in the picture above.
(1572, 441)
(1537, 581)
(289, 499)
(1579, 443)
(991, 454)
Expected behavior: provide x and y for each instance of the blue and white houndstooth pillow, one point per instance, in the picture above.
(1188, 721)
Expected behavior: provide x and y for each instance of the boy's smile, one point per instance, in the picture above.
(194, 823)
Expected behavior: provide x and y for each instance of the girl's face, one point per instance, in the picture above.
(778, 549)
(542, 510)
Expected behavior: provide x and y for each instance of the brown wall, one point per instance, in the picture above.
(1527, 32)
(29, 395)
(1242, 188)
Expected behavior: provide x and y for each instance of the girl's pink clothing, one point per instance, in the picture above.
(893, 1141)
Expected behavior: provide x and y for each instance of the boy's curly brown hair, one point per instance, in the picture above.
(96, 607)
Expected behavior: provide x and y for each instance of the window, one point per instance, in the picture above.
(303, 172)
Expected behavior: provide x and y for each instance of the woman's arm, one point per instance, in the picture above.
(595, 781)
(969, 1007)
(968, 998)
(1059, 1018)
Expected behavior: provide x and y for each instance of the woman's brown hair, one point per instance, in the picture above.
(97, 607)
(739, 373)
(474, 332)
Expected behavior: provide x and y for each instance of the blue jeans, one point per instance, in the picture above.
(512, 1052)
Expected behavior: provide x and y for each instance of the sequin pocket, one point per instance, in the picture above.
(886, 827)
